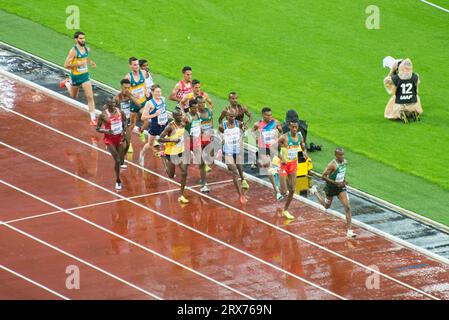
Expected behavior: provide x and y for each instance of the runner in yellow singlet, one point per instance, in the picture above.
(173, 137)
(77, 61)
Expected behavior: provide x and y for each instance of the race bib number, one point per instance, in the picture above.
(139, 93)
(268, 137)
(292, 153)
(125, 106)
(196, 130)
(82, 68)
(340, 177)
(162, 119)
(116, 127)
(180, 144)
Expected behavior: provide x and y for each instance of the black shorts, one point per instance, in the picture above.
(332, 190)
(175, 158)
(156, 129)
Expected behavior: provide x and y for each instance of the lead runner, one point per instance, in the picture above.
(112, 122)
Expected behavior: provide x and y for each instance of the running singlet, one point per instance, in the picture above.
(114, 123)
(339, 174)
(77, 70)
(162, 118)
(267, 133)
(173, 148)
(406, 90)
(232, 138)
(293, 147)
(194, 126)
(207, 124)
(149, 82)
(240, 113)
(184, 91)
(138, 88)
(125, 106)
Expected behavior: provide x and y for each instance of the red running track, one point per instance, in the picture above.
(59, 208)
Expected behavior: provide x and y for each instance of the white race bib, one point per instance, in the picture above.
(139, 93)
(162, 119)
(268, 137)
(116, 127)
(340, 177)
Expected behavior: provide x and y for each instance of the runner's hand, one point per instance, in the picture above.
(93, 64)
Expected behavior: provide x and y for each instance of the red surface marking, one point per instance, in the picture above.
(330, 229)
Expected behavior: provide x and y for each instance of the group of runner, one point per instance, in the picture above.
(189, 137)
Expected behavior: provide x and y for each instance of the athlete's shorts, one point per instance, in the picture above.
(79, 79)
(114, 140)
(332, 190)
(156, 129)
(135, 109)
(174, 158)
(289, 168)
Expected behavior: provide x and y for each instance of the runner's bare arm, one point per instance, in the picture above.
(132, 97)
(173, 96)
(167, 131)
(304, 148)
(100, 122)
(222, 116)
(92, 63)
(69, 60)
(249, 115)
(282, 142)
(329, 170)
(146, 111)
(278, 126)
(209, 101)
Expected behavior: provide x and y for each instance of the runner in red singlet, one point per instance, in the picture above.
(183, 88)
(112, 122)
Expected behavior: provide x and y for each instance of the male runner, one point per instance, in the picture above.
(77, 61)
(143, 64)
(124, 99)
(173, 137)
(291, 143)
(239, 110)
(334, 175)
(232, 132)
(269, 130)
(155, 111)
(139, 90)
(183, 88)
(114, 121)
(193, 127)
(207, 131)
(196, 92)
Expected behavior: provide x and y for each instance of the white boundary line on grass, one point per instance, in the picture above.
(162, 216)
(70, 101)
(33, 282)
(435, 6)
(121, 237)
(108, 202)
(110, 89)
(82, 261)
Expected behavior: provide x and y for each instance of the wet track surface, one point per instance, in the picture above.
(313, 247)
(364, 209)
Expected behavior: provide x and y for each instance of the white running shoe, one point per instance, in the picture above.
(351, 234)
(118, 186)
(279, 196)
(205, 189)
(313, 190)
(123, 166)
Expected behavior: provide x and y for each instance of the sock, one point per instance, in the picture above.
(92, 115)
(68, 85)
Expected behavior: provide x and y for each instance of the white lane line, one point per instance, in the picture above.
(126, 239)
(235, 209)
(109, 202)
(159, 214)
(89, 206)
(34, 282)
(434, 5)
(83, 261)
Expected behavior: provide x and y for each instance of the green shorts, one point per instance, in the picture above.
(79, 79)
(332, 190)
(136, 109)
